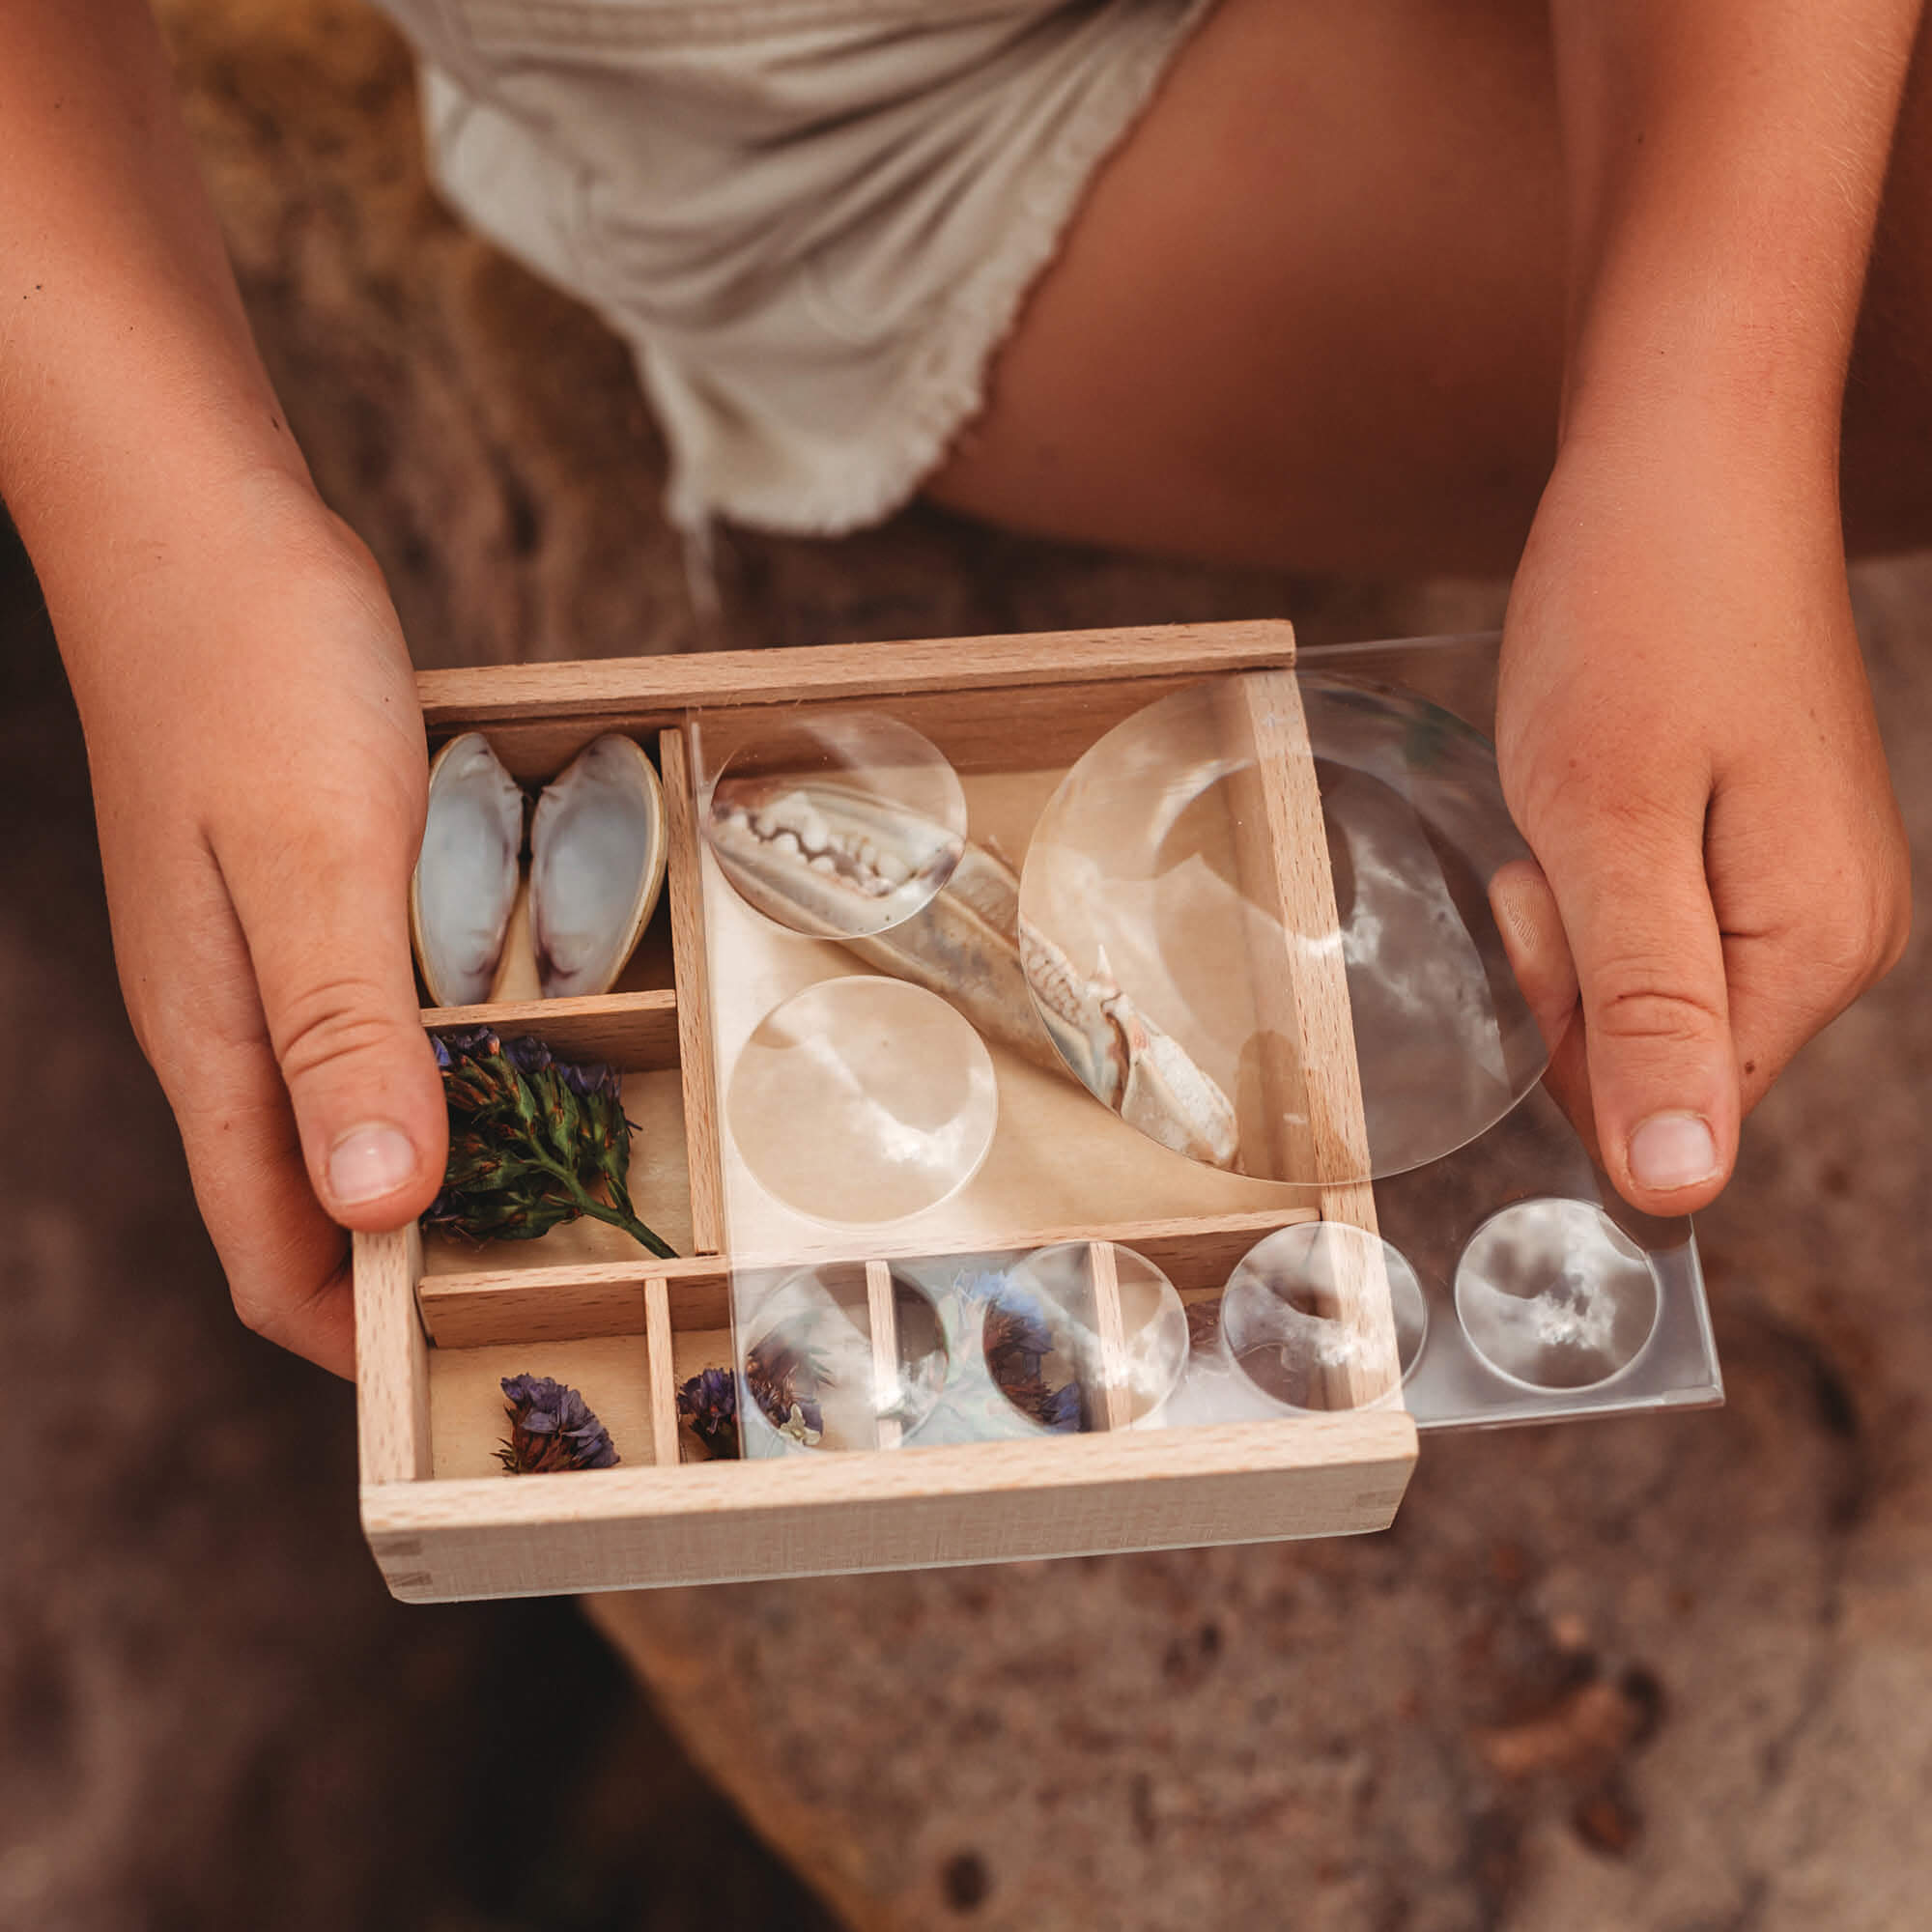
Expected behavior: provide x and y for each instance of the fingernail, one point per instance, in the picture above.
(1672, 1151)
(369, 1162)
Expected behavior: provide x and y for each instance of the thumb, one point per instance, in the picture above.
(1631, 888)
(1526, 915)
(327, 935)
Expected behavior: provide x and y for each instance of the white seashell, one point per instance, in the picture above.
(464, 883)
(770, 845)
(597, 865)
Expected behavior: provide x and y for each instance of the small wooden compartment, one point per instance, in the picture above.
(438, 1324)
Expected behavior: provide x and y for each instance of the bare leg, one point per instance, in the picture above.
(1310, 314)
(1888, 466)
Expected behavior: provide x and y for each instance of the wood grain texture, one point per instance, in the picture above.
(635, 1031)
(670, 686)
(1304, 1015)
(662, 1367)
(882, 1324)
(1031, 728)
(391, 1359)
(553, 1305)
(1295, 845)
(1111, 1329)
(686, 923)
(1003, 728)
(1135, 1489)
(465, 1310)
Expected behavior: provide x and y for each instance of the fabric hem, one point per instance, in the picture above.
(944, 387)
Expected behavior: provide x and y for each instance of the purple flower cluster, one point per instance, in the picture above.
(552, 1428)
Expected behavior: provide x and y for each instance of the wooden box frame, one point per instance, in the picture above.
(439, 1538)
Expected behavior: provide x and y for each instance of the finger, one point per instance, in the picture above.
(204, 1029)
(325, 922)
(287, 1262)
(1532, 933)
(1630, 884)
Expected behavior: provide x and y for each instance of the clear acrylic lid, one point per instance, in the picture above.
(1173, 931)
(1187, 1080)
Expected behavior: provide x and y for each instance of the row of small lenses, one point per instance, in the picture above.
(1549, 1294)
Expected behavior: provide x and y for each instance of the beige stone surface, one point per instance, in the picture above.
(1656, 1676)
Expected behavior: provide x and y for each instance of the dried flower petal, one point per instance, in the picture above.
(1061, 1411)
(798, 1427)
(708, 1402)
(552, 1428)
(1018, 1341)
(783, 1380)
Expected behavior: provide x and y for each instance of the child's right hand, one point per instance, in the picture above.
(256, 748)
(259, 776)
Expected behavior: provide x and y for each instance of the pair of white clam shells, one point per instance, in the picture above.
(597, 865)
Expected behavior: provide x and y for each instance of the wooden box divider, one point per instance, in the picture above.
(686, 892)
(466, 1311)
(1111, 1329)
(883, 1322)
(662, 1371)
(1302, 1003)
(634, 1030)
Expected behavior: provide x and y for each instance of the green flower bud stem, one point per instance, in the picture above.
(598, 1210)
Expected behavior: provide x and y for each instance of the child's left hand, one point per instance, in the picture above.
(1687, 742)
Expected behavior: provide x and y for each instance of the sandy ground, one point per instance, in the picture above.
(1651, 1676)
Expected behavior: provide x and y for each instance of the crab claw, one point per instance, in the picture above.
(1163, 1092)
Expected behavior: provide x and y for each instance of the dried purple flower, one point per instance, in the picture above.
(534, 1141)
(552, 1428)
(1018, 1341)
(1060, 1411)
(1203, 1324)
(783, 1379)
(708, 1404)
(1016, 1327)
(800, 1426)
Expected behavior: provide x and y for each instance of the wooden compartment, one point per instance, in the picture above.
(636, 1033)
(438, 1324)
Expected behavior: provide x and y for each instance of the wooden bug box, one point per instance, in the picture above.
(438, 1327)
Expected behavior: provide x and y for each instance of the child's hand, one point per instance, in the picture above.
(259, 774)
(1687, 742)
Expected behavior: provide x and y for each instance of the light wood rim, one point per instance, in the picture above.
(614, 687)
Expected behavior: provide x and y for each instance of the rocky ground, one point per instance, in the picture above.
(1652, 1676)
